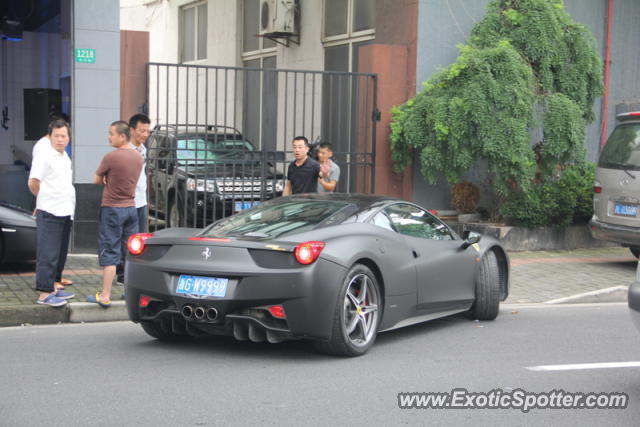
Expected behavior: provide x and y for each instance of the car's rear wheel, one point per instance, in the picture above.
(487, 302)
(160, 330)
(635, 252)
(356, 316)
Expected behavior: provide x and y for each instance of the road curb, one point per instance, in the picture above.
(90, 312)
(613, 294)
(76, 312)
(16, 315)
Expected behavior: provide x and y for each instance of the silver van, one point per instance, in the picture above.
(616, 200)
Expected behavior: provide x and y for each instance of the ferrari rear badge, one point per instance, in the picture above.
(206, 254)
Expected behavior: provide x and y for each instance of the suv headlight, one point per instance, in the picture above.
(201, 184)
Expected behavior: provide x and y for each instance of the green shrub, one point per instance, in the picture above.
(526, 65)
(562, 201)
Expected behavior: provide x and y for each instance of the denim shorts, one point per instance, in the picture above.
(114, 228)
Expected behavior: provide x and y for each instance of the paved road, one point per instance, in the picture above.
(113, 374)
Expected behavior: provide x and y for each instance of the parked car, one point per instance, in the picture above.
(199, 173)
(616, 201)
(333, 268)
(18, 237)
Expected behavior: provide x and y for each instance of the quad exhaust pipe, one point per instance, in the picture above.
(199, 313)
(243, 330)
(187, 311)
(212, 314)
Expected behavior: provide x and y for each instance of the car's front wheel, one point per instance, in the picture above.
(357, 314)
(487, 302)
(175, 214)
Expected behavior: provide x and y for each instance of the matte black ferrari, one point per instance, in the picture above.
(334, 268)
(18, 236)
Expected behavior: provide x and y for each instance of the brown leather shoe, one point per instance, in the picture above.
(64, 282)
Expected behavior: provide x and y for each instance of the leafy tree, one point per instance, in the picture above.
(526, 65)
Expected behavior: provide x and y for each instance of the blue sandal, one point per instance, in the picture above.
(96, 299)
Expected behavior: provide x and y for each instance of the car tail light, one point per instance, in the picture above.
(144, 301)
(136, 242)
(277, 311)
(308, 252)
(597, 189)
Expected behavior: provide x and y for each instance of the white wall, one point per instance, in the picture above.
(224, 48)
(160, 19)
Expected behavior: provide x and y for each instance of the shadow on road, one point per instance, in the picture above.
(302, 351)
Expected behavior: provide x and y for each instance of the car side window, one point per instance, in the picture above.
(382, 220)
(413, 221)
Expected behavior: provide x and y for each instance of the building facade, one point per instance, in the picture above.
(64, 58)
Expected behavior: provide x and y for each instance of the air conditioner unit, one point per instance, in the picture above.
(277, 17)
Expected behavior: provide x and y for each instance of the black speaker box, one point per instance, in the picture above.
(39, 106)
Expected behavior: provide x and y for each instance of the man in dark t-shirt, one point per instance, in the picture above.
(303, 172)
(119, 171)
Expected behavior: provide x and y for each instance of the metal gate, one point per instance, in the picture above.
(222, 136)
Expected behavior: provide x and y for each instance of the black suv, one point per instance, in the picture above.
(199, 173)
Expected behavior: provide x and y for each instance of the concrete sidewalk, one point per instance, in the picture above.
(587, 275)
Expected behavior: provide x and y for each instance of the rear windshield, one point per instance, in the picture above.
(623, 148)
(278, 218)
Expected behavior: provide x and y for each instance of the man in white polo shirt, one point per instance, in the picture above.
(51, 182)
(44, 144)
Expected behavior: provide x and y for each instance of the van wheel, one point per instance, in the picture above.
(635, 252)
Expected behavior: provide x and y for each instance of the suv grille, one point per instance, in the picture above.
(243, 186)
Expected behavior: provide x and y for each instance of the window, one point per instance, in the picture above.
(253, 45)
(189, 151)
(275, 219)
(347, 26)
(623, 148)
(260, 89)
(413, 221)
(382, 220)
(348, 18)
(193, 32)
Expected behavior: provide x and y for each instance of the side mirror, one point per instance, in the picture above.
(470, 238)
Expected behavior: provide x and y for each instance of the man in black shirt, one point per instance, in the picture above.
(302, 175)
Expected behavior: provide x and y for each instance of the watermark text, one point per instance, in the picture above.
(525, 401)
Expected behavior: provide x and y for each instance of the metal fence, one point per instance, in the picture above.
(223, 135)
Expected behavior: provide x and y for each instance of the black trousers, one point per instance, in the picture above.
(52, 247)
